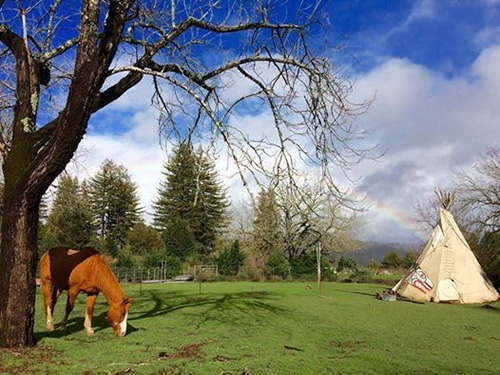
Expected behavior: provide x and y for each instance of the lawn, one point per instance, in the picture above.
(267, 328)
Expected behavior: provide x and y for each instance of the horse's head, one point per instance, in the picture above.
(117, 316)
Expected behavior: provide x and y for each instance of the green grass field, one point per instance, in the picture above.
(267, 328)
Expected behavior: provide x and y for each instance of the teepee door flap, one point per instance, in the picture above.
(447, 290)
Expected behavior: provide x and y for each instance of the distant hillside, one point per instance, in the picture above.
(377, 250)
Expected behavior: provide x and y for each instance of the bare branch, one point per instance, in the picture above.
(70, 43)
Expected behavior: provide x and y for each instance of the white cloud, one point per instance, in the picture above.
(422, 9)
(144, 162)
(431, 126)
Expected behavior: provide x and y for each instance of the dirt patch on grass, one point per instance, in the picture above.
(187, 351)
(346, 348)
(22, 369)
(21, 359)
(221, 358)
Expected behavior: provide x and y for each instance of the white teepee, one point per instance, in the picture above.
(447, 270)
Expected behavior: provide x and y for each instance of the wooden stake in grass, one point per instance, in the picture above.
(318, 260)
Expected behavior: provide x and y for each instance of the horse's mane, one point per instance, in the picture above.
(106, 280)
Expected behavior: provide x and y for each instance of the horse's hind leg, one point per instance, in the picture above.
(47, 290)
(48, 303)
(72, 293)
(89, 310)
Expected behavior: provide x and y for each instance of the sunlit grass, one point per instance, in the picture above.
(267, 328)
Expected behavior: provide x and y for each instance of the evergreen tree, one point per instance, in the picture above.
(115, 204)
(409, 258)
(143, 239)
(70, 220)
(391, 260)
(192, 193)
(179, 239)
(267, 233)
(230, 260)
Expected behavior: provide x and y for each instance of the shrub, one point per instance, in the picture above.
(230, 260)
(125, 258)
(391, 260)
(154, 259)
(250, 274)
(347, 264)
(173, 265)
(277, 265)
(307, 265)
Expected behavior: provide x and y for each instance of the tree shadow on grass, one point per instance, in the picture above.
(227, 308)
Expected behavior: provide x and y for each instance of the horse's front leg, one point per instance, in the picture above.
(72, 293)
(89, 310)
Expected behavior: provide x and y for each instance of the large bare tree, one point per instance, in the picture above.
(479, 192)
(61, 62)
(312, 214)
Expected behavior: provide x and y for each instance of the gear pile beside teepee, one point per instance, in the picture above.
(447, 270)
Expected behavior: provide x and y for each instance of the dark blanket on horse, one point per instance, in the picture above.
(63, 261)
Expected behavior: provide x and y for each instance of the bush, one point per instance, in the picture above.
(277, 265)
(173, 266)
(250, 274)
(307, 265)
(159, 258)
(153, 259)
(144, 239)
(230, 260)
(347, 264)
(125, 258)
(391, 260)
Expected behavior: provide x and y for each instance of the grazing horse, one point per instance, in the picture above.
(86, 271)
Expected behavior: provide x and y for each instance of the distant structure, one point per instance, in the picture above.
(447, 270)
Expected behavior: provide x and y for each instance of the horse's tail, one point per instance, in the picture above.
(54, 293)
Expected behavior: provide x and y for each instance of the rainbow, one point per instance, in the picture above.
(396, 217)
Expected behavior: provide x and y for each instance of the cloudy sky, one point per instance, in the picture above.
(432, 68)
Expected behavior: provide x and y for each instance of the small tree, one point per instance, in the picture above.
(347, 264)
(230, 260)
(125, 258)
(277, 265)
(266, 227)
(306, 265)
(143, 239)
(409, 258)
(391, 260)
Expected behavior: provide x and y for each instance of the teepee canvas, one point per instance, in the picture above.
(447, 270)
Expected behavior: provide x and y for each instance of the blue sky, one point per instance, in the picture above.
(431, 67)
(443, 35)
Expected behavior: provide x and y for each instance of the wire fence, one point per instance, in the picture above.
(162, 274)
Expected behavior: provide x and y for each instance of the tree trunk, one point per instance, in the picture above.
(18, 251)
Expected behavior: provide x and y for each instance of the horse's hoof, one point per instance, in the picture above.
(50, 327)
(62, 327)
(90, 332)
